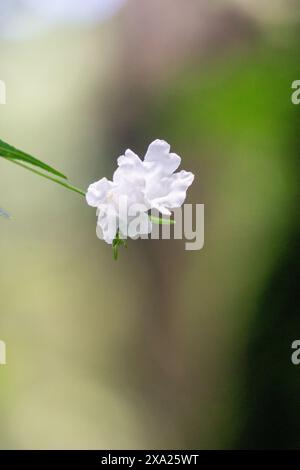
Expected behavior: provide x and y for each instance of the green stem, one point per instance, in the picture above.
(161, 221)
(51, 178)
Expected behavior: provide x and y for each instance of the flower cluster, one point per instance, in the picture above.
(137, 187)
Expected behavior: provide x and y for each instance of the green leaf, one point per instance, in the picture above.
(161, 221)
(12, 153)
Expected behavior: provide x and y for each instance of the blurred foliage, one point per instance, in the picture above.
(235, 118)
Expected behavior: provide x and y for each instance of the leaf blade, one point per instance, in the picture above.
(10, 152)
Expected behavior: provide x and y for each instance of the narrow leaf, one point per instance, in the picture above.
(12, 153)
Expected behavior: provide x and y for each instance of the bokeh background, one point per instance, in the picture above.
(165, 348)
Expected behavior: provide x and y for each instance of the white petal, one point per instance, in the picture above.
(130, 160)
(172, 192)
(107, 227)
(130, 178)
(156, 149)
(97, 192)
(159, 154)
(130, 169)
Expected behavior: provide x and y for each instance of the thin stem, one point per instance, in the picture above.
(161, 221)
(51, 178)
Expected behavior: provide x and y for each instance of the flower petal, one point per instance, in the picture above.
(130, 171)
(129, 160)
(97, 192)
(172, 192)
(159, 154)
(107, 226)
(130, 178)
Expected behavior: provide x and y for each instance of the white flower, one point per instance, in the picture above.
(137, 187)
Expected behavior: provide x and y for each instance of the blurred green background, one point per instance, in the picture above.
(166, 348)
